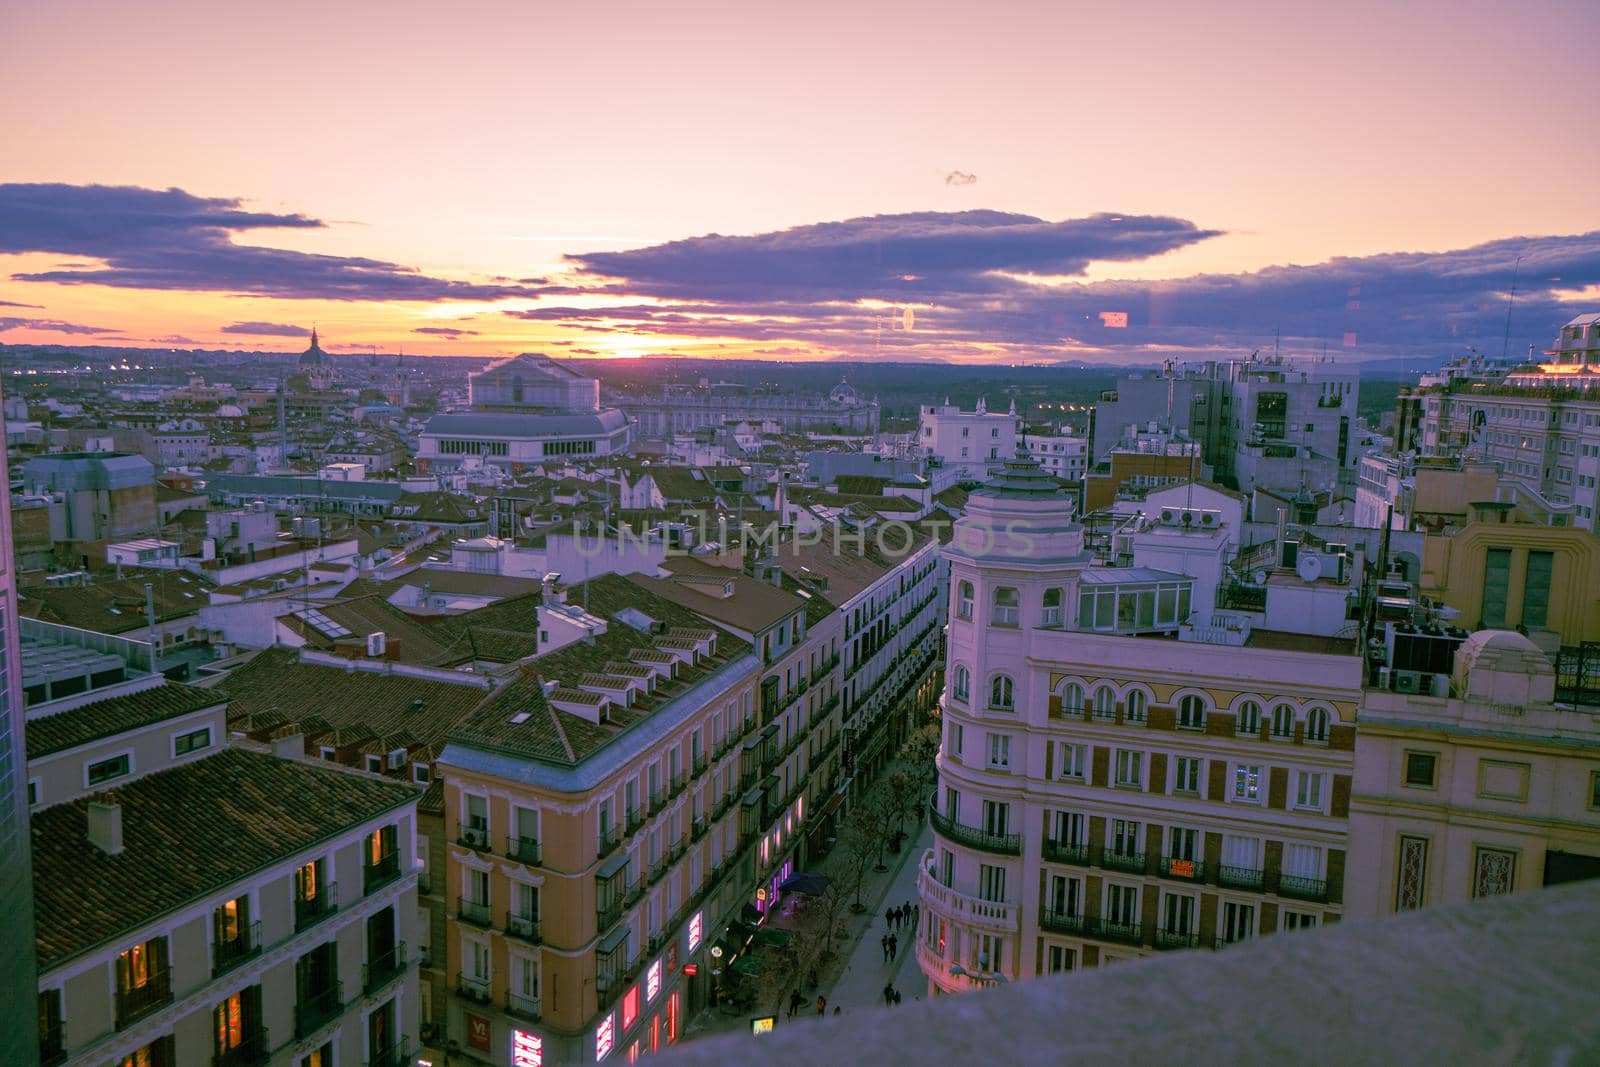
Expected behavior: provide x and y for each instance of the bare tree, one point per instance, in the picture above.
(864, 830)
(921, 748)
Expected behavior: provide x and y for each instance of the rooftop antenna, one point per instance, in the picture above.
(1505, 342)
(1276, 330)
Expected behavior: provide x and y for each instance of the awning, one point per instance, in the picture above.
(808, 883)
(612, 866)
(772, 937)
(749, 966)
(615, 938)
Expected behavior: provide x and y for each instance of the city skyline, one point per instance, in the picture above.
(992, 186)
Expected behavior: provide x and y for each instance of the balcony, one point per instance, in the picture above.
(633, 820)
(1224, 941)
(1131, 862)
(474, 989)
(523, 1007)
(678, 782)
(1173, 939)
(991, 914)
(375, 875)
(523, 927)
(607, 915)
(310, 911)
(1060, 922)
(606, 843)
(135, 1003)
(658, 869)
(525, 850)
(1239, 877)
(398, 1054)
(383, 969)
(226, 955)
(318, 1009)
(1183, 870)
(1108, 930)
(972, 837)
(698, 767)
(475, 912)
(678, 848)
(253, 1049)
(633, 894)
(697, 829)
(1312, 889)
(475, 838)
(658, 800)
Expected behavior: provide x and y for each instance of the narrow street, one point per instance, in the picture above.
(860, 986)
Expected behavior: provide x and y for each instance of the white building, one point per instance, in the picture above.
(1062, 455)
(974, 442)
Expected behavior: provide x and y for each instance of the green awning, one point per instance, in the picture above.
(749, 966)
(772, 937)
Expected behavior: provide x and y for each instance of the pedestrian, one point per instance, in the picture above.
(796, 1002)
(888, 917)
(822, 1004)
(897, 998)
(916, 913)
(888, 992)
(894, 947)
(885, 942)
(836, 1009)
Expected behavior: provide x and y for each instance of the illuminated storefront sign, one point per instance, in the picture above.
(604, 1037)
(763, 1024)
(478, 1032)
(527, 1050)
(694, 931)
(672, 1018)
(630, 1008)
(652, 982)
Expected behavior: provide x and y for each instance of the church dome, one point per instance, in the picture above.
(843, 393)
(314, 356)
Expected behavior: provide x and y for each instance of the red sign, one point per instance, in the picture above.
(1182, 868)
(691, 969)
(478, 1032)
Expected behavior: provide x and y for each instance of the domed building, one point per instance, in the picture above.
(844, 393)
(316, 365)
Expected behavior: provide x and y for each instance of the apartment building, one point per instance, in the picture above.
(198, 902)
(1540, 421)
(612, 814)
(972, 442)
(1491, 789)
(1124, 768)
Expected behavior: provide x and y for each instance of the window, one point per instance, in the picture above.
(1179, 915)
(1072, 702)
(1192, 713)
(1074, 758)
(963, 684)
(1000, 751)
(1105, 703)
(1130, 767)
(1594, 789)
(1052, 607)
(1247, 783)
(1496, 578)
(1317, 725)
(1298, 920)
(1061, 959)
(1122, 905)
(1187, 778)
(991, 883)
(1536, 590)
(1411, 873)
(1000, 694)
(419, 773)
(1283, 722)
(107, 769)
(1069, 828)
(1124, 837)
(1136, 706)
(964, 600)
(997, 817)
(1007, 607)
(1249, 721)
(956, 739)
(194, 741)
(1308, 789)
(1238, 921)
(1181, 843)
(1420, 769)
(1494, 872)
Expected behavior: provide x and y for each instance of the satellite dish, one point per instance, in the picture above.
(1310, 567)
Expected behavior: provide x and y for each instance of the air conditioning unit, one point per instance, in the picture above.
(1408, 681)
(375, 644)
(1209, 518)
(1168, 515)
(474, 837)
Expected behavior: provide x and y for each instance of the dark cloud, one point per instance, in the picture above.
(444, 331)
(171, 239)
(14, 304)
(266, 329)
(960, 177)
(912, 256)
(977, 280)
(175, 339)
(53, 326)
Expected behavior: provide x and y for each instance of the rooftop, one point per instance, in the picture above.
(187, 833)
(80, 725)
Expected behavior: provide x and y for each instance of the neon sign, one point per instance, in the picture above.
(652, 982)
(694, 931)
(527, 1050)
(605, 1036)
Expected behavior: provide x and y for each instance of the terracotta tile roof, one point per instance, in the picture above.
(559, 737)
(115, 715)
(416, 642)
(187, 833)
(275, 689)
(115, 606)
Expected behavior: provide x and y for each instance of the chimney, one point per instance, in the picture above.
(548, 589)
(290, 746)
(105, 825)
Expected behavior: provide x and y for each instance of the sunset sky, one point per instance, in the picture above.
(999, 181)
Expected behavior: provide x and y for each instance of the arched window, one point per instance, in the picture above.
(1249, 718)
(1192, 713)
(964, 601)
(1136, 705)
(1072, 700)
(1000, 695)
(1007, 607)
(963, 686)
(516, 388)
(1317, 725)
(1105, 703)
(1052, 607)
(1283, 721)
